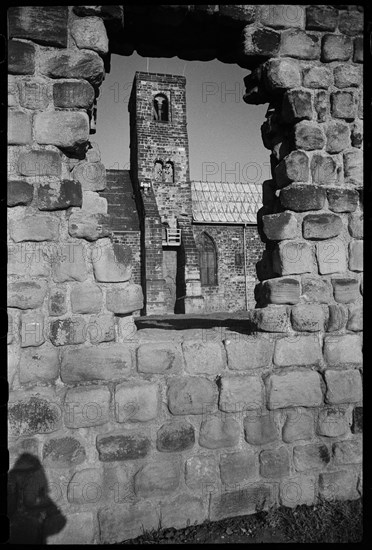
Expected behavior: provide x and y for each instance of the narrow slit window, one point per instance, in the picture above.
(207, 261)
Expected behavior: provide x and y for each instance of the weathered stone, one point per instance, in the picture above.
(86, 298)
(40, 163)
(34, 95)
(302, 197)
(57, 302)
(91, 175)
(294, 167)
(216, 432)
(338, 136)
(87, 226)
(321, 105)
(44, 25)
(357, 134)
(315, 289)
(245, 500)
(299, 424)
(317, 76)
(136, 402)
(297, 350)
(332, 422)
(357, 426)
(112, 263)
(260, 42)
(343, 105)
(34, 228)
(299, 388)
(158, 357)
(282, 74)
(21, 57)
(74, 94)
(307, 317)
(19, 128)
(90, 33)
(126, 329)
(297, 105)
(331, 256)
(342, 200)
(63, 452)
(343, 386)
(26, 294)
(126, 521)
(22, 454)
(347, 75)
(345, 290)
(19, 193)
(251, 353)
(260, 429)
(342, 350)
(41, 365)
(351, 23)
(308, 136)
(271, 318)
(355, 322)
(160, 478)
(101, 328)
(336, 47)
(298, 490)
(283, 290)
(85, 487)
(73, 64)
(28, 259)
(358, 50)
(237, 466)
(238, 393)
(191, 395)
(324, 170)
(175, 437)
(337, 317)
(293, 257)
(69, 263)
(122, 445)
(93, 203)
(282, 16)
(353, 167)
(183, 511)
(203, 357)
(85, 363)
(68, 331)
(201, 473)
(310, 457)
(86, 406)
(32, 329)
(127, 299)
(299, 44)
(59, 197)
(321, 226)
(341, 485)
(274, 463)
(321, 18)
(32, 415)
(65, 129)
(347, 452)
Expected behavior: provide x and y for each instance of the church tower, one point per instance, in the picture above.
(159, 154)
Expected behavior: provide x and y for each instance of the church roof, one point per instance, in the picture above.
(220, 202)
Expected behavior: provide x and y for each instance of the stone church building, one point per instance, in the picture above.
(197, 242)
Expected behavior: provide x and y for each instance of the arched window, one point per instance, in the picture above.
(207, 260)
(169, 172)
(161, 108)
(158, 170)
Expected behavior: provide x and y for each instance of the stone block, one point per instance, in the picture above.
(86, 65)
(175, 436)
(238, 393)
(357, 134)
(260, 429)
(251, 353)
(324, 170)
(183, 511)
(260, 42)
(86, 298)
(26, 294)
(345, 290)
(311, 457)
(308, 136)
(93, 203)
(342, 350)
(89, 33)
(302, 197)
(337, 317)
(298, 490)
(299, 44)
(203, 357)
(343, 386)
(19, 193)
(342, 200)
(237, 467)
(281, 74)
(159, 477)
(69, 263)
(34, 228)
(34, 95)
(136, 402)
(158, 357)
(41, 365)
(294, 167)
(297, 105)
(282, 290)
(321, 226)
(126, 521)
(307, 317)
(90, 227)
(217, 432)
(280, 226)
(293, 257)
(331, 256)
(332, 422)
(357, 426)
(32, 329)
(343, 105)
(191, 395)
(60, 196)
(27, 259)
(86, 406)
(112, 263)
(126, 299)
(355, 322)
(356, 225)
(336, 47)
(297, 350)
(21, 57)
(299, 424)
(299, 388)
(282, 16)
(65, 129)
(68, 331)
(353, 167)
(351, 23)
(321, 18)
(347, 75)
(40, 163)
(19, 127)
(91, 175)
(271, 318)
(44, 25)
(35, 414)
(315, 289)
(101, 328)
(274, 463)
(358, 50)
(338, 136)
(73, 95)
(63, 452)
(317, 76)
(57, 302)
(201, 473)
(321, 105)
(122, 445)
(85, 363)
(341, 485)
(243, 501)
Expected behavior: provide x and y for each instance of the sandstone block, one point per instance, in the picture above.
(66, 129)
(86, 406)
(343, 349)
(32, 329)
(245, 500)
(78, 94)
(337, 317)
(251, 353)
(73, 64)
(127, 299)
(34, 228)
(317, 76)
(308, 136)
(355, 321)
(34, 95)
(69, 263)
(331, 256)
(112, 263)
(91, 175)
(324, 170)
(260, 429)
(237, 467)
(41, 365)
(301, 197)
(260, 42)
(63, 452)
(158, 357)
(271, 318)
(299, 44)
(86, 298)
(321, 105)
(332, 422)
(159, 477)
(299, 424)
(44, 25)
(191, 395)
(298, 490)
(336, 47)
(293, 257)
(274, 463)
(282, 290)
(57, 302)
(307, 317)
(238, 393)
(281, 74)
(89, 33)
(356, 225)
(310, 457)
(357, 426)
(68, 331)
(86, 226)
(122, 445)
(283, 16)
(175, 437)
(93, 203)
(19, 193)
(347, 75)
(101, 328)
(351, 23)
(60, 196)
(315, 289)
(40, 163)
(342, 200)
(85, 487)
(26, 294)
(21, 57)
(353, 167)
(27, 259)
(126, 521)
(32, 415)
(321, 226)
(294, 167)
(280, 226)
(183, 511)
(19, 128)
(338, 136)
(343, 105)
(345, 290)
(297, 350)
(201, 473)
(343, 386)
(216, 432)
(85, 363)
(341, 485)
(136, 402)
(203, 357)
(294, 389)
(297, 105)
(321, 18)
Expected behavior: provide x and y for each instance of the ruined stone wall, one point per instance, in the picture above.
(112, 429)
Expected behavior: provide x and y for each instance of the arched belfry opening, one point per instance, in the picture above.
(160, 106)
(207, 252)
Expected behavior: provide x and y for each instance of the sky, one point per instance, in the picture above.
(224, 132)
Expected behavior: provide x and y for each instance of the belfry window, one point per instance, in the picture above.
(158, 170)
(160, 108)
(169, 172)
(207, 260)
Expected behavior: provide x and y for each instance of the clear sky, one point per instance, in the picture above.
(224, 132)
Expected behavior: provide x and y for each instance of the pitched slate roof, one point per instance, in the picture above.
(220, 202)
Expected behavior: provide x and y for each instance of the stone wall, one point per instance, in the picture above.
(113, 430)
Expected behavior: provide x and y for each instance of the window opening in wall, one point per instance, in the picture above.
(161, 108)
(207, 261)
